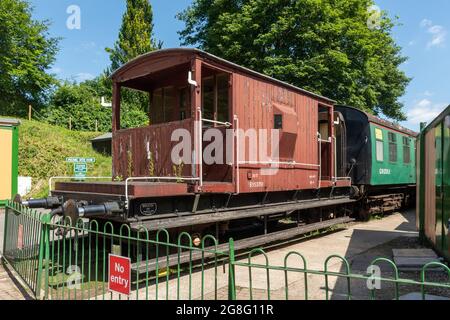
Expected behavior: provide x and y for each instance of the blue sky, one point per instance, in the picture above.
(423, 34)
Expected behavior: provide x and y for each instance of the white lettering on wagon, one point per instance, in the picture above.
(252, 147)
(385, 171)
(257, 184)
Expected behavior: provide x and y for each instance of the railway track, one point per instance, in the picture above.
(210, 253)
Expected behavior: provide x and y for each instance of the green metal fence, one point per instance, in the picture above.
(381, 279)
(23, 232)
(66, 260)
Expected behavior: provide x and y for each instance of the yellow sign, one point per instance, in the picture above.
(379, 134)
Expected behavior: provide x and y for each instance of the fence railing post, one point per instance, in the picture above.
(44, 252)
(5, 230)
(231, 274)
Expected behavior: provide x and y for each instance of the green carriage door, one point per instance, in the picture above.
(439, 187)
(446, 185)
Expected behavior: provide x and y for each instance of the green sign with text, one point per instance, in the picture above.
(80, 160)
(80, 170)
(80, 165)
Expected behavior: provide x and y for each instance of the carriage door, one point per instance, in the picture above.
(216, 114)
(325, 143)
(340, 145)
(446, 185)
(439, 187)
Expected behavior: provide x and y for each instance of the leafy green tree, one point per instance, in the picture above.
(26, 54)
(78, 106)
(331, 47)
(135, 35)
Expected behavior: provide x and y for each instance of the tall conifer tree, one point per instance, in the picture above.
(135, 35)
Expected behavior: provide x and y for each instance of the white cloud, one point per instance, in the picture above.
(83, 76)
(56, 70)
(426, 23)
(428, 93)
(438, 33)
(424, 111)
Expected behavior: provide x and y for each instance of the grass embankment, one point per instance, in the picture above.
(43, 150)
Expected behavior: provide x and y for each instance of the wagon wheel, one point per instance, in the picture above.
(364, 213)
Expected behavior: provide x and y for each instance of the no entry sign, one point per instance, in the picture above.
(119, 275)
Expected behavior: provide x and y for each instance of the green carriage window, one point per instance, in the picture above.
(380, 151)
(392, 147)
(406, 150)
(379, 144)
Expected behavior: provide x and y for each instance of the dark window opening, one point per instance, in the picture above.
(184, 103)
(406, 150)
(215, 97)
(278, 121)
(392, 147)
(169, 104)
(222, 98)
(208, 98)
(157, 107)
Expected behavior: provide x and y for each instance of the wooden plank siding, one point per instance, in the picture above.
(131, 150)
(255, 99)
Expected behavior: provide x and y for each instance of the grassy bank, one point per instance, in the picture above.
(43, 149)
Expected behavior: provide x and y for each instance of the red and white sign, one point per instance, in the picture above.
(20, 237)
(119, 274)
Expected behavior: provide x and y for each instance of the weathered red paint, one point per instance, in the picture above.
(135, 189)
(254, 99)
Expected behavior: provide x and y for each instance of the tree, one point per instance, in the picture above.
(80, 105)
(330, 47)
(135, 35)
(26, 54)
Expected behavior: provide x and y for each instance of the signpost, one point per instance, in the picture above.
(119, 274)
(80, 166)
(80, 170)
(80, 160)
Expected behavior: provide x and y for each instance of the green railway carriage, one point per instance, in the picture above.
(393, 157)
(381, 161)
(433, 184)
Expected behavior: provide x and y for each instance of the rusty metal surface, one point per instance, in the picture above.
(228, 215)
(135, 189)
